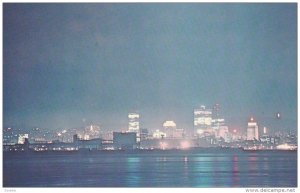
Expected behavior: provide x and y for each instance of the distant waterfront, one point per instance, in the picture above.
(173, 168)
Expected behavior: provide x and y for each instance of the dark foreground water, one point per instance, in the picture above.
(213, 168)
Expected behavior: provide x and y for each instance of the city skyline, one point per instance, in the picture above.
(64, 64)
(215, 121)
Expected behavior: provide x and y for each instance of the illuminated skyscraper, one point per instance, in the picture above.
(218, 124)
(216, 111)
(265, 131)
(252, 130)
(202, 120)
(134, 124)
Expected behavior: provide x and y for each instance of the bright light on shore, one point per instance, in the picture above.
(286, 147)
(163, 145)
(185, 145)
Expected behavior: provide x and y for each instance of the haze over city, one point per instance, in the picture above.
(68, 65)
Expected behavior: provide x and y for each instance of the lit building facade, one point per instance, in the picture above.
(21, 138)
(202, 120)
(224, 133)
(252, 130)
(157, 134)
(134, 124)
(179, 133)
(92, 144)
(169, 128)
(265, 131)
(218, 124)
(92, 132)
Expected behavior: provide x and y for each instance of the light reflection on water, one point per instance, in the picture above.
(185, 168)
(235, 171)
(204, 170)
(252, 162)
(133, 174)
(153, 169)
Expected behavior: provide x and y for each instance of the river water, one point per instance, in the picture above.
(178, 168)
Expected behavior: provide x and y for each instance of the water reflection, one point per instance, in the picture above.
(133, 172)
(235, 171)
(204, 171)
(252, 160)
(265, 164)
(221, 166)
(217, 169)
(185, 159)
(161, 159)
(185, 169)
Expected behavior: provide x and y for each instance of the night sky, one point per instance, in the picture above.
(68, 65)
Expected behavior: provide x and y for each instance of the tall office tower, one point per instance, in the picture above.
(217, 124)
(216, 111)
(265, 131)
(134, 124)
(169, 128)
(252, 130)
(202, 120)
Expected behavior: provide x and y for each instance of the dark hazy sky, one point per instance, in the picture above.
(66, 63)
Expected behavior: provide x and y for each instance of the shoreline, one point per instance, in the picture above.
(190, 150)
